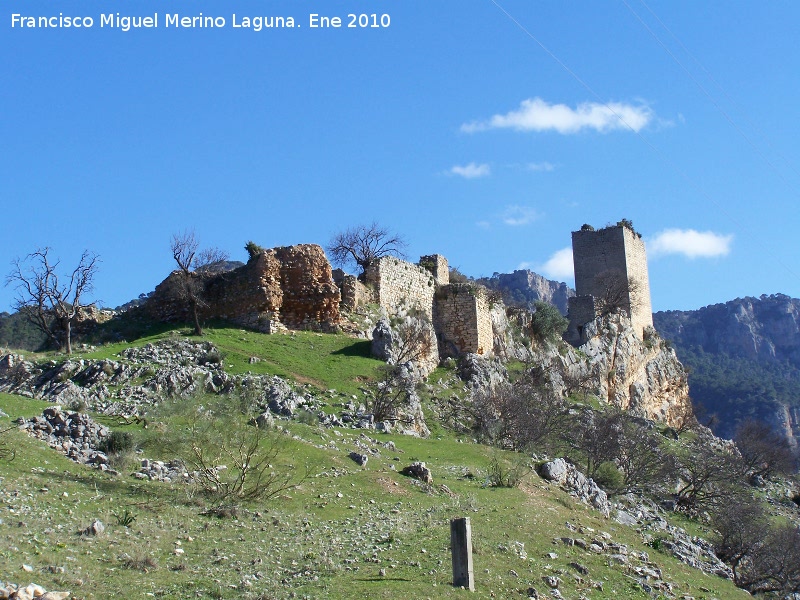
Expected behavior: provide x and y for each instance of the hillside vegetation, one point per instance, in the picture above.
(332, 528)
(743, 357)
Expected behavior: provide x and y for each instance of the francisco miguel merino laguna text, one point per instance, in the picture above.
(128, 22)
(199, 21)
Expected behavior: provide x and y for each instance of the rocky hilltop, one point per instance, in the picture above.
(526, 287)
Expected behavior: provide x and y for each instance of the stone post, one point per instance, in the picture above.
(461, 547)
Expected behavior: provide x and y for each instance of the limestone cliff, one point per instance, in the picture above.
(765, 328)
(525, 287)
(744, 357)
(641, 376)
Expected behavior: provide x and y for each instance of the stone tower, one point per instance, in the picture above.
(610, 260)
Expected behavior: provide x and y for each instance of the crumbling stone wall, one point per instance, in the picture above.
(581, 312)
(438, 266)
(462, 319)
(615, 249)
(401, 286)
(354, 293)
(287, 287)
(459, 313)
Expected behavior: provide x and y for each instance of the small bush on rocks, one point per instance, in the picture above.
(609, 477)
(118, 442)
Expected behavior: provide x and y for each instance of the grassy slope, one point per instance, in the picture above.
(323, 360)
(318, 541)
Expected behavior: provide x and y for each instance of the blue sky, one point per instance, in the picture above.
(485, 131)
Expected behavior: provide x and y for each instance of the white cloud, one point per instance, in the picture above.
(690, 243)
(542, 166)
(484, 224)
(559, 266)
(519, 215)
(535, 114)
(471, 171)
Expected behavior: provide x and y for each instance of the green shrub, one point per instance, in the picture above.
(307, 417)
(125, 519)
(212, 357)
(609, 477)
(253, 249)
(547, 324)
(499, 475)
(117, 442)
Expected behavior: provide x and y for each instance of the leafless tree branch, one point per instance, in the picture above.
(364, 244)
(50, 306)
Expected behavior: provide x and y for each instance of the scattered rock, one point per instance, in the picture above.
(96, 528)
(418, 470)
(359, 459)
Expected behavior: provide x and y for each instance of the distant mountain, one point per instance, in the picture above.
(744, 358)
(524, 287)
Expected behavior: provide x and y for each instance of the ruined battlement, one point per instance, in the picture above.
(401, 286)
(462, 320)
(287, 287)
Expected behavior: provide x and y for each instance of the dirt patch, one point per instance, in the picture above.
(391, 486)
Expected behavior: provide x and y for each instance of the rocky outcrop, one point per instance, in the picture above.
(480, 372)
(283, 287)
(31, 591)
(75, 435)
(411, 342)
(526, 287)
(567, 476)
(418, 470)
(143, 377)
(644, 377)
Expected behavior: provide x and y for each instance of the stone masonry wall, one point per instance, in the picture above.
(290, 287)
(581, 311)
(613, 249)
(400, 286)
(437, 264)
(354, 293)
(636, 257)
(462, 320)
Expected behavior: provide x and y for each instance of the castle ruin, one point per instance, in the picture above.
(460, 313)
(610, 273)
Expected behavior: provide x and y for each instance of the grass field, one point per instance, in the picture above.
(344, 532)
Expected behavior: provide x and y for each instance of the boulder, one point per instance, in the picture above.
(576, 483)
(418, 470)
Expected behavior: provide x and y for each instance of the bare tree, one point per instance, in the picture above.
(764, 452)
(641, 458)
(524, 415)
(707, 476)
(741, 525)
(596, 437)
(614, 291)
(774, 565)
(191, 264)
(684, 418)
(364, 244)
(414, 340)
(47, 303)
